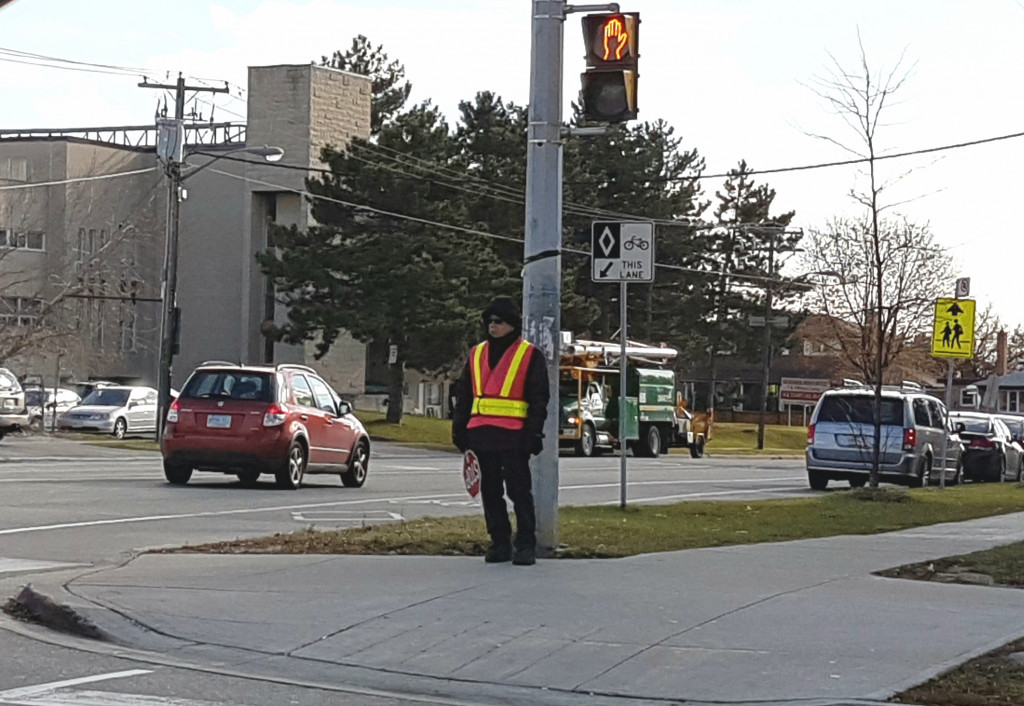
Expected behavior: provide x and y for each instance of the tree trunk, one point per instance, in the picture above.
(396, 383)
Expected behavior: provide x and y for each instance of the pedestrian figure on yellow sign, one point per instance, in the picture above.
(957, 331)
(946, 333)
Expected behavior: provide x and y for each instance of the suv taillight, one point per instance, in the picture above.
(172, 412)
(909, 439)
(810, 435)
(275, 416)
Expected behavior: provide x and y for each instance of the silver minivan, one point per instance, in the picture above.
(840, 438)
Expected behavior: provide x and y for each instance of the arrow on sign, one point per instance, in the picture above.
(607, 269)
(955, 310)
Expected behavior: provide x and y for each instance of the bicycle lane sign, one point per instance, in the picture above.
(622, 252)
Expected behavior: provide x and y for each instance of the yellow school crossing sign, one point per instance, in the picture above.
(953, 332)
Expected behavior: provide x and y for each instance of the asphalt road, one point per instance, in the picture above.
(66, 507)
(70, 502)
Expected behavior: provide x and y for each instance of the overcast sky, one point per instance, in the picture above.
(731, 76)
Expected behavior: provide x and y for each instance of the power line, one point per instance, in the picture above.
(471, 231)
(841, 163)
(76, 180)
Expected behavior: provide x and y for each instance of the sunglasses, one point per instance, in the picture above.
(495, 320)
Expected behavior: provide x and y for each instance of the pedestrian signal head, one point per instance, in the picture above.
(609, 84)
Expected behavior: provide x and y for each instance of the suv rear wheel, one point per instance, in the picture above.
(290, 477)
(176, 474)
(355, 476)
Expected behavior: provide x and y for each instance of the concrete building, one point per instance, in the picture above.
(93, 244)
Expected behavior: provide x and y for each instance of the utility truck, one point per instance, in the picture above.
(657, 414)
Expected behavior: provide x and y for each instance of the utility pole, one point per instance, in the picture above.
(169, 329)
(767, 362)
(542, 252)
(542, 271)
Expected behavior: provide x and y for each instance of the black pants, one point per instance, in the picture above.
(508, 471)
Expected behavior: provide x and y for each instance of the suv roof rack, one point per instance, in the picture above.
(295, 366)
(217, 362)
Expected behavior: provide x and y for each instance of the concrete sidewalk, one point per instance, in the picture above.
(773, 623)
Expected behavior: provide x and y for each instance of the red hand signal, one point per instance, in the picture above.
(615, 39)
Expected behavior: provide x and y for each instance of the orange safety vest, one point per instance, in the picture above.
(499, 398)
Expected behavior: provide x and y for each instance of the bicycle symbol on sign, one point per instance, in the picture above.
(635, 242)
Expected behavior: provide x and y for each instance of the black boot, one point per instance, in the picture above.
(498, 553)
(525, 556)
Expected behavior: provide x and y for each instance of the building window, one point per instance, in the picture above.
(20, 311)
(24, 240)
(129, 334)
(1009, 400)
(14, 169)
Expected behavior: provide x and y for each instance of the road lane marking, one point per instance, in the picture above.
(215, 513)
(348, 516)
(106, 698)
(11, 566)
(29, 691)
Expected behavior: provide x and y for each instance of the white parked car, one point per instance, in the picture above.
(45, 405)
(116, 410)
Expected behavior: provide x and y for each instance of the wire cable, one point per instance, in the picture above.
(77, 180)
(470, 231)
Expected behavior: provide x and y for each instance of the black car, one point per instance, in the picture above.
(990, 453)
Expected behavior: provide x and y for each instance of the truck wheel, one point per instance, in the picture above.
(817, 480)
(649, 444)
(697, 448)
(585, 446)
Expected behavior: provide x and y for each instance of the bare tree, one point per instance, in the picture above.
(890, 270)
(76, 279)
(904, 264)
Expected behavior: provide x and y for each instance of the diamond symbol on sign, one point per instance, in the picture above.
(606, 241)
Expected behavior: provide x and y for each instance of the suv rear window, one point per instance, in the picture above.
(859, 410)
(232, 384)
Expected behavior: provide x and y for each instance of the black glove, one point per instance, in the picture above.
(536, 444)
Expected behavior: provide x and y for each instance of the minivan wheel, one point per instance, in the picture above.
(958, 475)
(120, 428)
(290, 477)
(355, 476)
(817, 480)
(924, 475)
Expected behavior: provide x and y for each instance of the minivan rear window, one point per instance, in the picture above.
(229, 384)
(859, 410)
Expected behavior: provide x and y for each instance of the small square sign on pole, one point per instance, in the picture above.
(622, 252)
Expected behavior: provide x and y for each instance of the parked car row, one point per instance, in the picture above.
(919, 443)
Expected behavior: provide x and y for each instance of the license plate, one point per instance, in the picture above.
(219, 421)
(853, 440)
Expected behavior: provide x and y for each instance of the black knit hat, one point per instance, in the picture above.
(505, 308)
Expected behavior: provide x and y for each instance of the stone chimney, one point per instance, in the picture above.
(1001, 353)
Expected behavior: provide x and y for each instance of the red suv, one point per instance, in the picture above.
(249, 420)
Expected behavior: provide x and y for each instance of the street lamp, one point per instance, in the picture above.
(170, 149)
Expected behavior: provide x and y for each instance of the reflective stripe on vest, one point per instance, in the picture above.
(499, 394)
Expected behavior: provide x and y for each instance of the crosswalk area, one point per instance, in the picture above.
(64, 693)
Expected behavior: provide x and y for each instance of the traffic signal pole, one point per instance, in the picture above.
(542, 270)
(542, 259)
